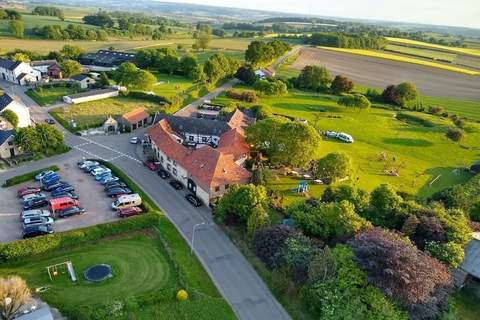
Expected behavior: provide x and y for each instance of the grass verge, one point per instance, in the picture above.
(27, 176)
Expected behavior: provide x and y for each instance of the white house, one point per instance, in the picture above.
(7, 146)
(7, 103)
(90, 96)
(83, 81)
(18, 72)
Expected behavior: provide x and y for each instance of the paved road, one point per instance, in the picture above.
(230, 271)
(382, 72)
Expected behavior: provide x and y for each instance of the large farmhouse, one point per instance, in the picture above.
(19, 72)
(22, 112)
(207, 156)
(104, 60)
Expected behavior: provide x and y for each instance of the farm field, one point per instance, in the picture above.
(203, 56)
(378, 73)
(411, 148)
(421, 52)
(394, 57)
(44, 96)
(470, 51)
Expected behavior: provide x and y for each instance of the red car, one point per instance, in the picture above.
(27, 190)
(128, 212)
(154, 166)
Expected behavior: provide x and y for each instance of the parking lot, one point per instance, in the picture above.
(91, 196)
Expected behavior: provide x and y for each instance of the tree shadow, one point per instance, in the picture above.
(441, 178)
(408, 142)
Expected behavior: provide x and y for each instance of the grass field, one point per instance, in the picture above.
(203, 56)
(171, 85)
(469, 51)
(44, 96)
(422, 52)
(414, 147)
(95, 112)
(400, 58)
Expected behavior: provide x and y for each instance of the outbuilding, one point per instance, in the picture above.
(110, 125)
(90, 96)
(134, 119)
(83, 81)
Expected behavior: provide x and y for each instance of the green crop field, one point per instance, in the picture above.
(411, 148)
(422, 52)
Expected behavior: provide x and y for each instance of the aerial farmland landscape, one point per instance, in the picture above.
(239, 160)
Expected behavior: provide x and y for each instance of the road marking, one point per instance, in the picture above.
(118, 156)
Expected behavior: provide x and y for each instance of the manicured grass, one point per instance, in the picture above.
(44, 96)
(170, 86)
(469, 51)
(465, 108)
(27, 176)
(416, 149)
(389, 56)
(93, 113)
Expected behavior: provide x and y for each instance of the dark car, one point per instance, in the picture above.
(128, 212)
(53, 186)
(49, 121)
(35, 231)
(68, 212)
(35, 203)
(114, 184)
(151, 165)
(118, 191)
(193, 200)
(63, 188)
(164, 174)
(72, 195)
(177, 185)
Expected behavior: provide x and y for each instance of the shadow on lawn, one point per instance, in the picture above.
(408, 142)
(441, 178)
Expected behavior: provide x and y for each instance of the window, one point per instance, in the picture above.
(191, 138)
(217, 189)
(174, 171)
(169, 167)
(204, 139)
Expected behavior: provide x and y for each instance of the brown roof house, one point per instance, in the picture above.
(209, 168)
(134, 119)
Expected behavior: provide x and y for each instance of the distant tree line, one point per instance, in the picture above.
(49, 11)
(99, 19)
(139, 18)
(346, 41)
(10, 14)
(72, 32)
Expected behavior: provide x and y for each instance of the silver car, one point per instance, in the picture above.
(35, 213)
(33, 196)
(34, 221)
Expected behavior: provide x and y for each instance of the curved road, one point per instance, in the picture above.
(376, 72)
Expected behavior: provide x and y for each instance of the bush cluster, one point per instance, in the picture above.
(245, 96)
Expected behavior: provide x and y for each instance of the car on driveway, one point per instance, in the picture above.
(177, 185)
(70, 194)
(114, 192)
(35, 231)
(134, 140)
(27, 190)
(114, 184)
(164, 174)
(35, 203)
(29, 221)
(193, 200)
(35, 213)
(43, 174)
(109, 179)
(128, 212)
(49, 121)
(68, 212)
(151, 165)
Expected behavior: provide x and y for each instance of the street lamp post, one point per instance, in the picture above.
(193, 234)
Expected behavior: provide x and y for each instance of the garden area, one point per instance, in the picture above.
(47, 95)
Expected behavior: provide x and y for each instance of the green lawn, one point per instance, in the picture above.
(413, 149)
(467, 304)
(44, 96)
(170, 86)
(203, 56)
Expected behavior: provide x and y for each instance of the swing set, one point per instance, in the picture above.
(62, 268)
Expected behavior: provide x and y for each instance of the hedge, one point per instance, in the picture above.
(26, 177)
(35, 246)
(149, 97)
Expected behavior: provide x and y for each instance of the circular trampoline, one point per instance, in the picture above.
(98, 273)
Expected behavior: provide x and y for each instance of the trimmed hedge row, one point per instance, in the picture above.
(26, 177)
(149, 97)
(34, 246)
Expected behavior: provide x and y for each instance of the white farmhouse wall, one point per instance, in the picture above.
(22, 112)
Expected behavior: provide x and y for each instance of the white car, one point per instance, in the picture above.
(331, 134)
(134, 140)
(88, 163)
(40, 176)
(35, 213)
(27, 197)
(345, 137)
(100, 170)
(31, 221)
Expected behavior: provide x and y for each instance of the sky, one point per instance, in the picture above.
(441, 12)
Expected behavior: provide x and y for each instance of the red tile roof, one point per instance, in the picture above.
(208, 167)
(240, 121)
(233, 142)
(135, 115)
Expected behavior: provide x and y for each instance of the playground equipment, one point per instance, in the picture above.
(63, 268)
(302, 187)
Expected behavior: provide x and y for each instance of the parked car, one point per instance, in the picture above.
(72, 195)
(35, 231)
(177, 185)
(118, 191)
(27, 190)
(35, 203)
(331, 134)
(53, 186)
(114, 184)
(50, 178)
(90, 167)
(61, 190)
(126, 201)
(30, 221)
(33, 196)
(134, 140)
(345, 137)
(164, 174)
(151, 165)
(100, 176)
(68, 212)
(59, 204)
(43, 174)
(128, 212)
(35, 213)
(193, 200)
(109, 179)
(100, 170)
(87, 163)
(49, 121)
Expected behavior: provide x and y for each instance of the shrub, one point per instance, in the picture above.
(341, 84)
(268, 243)
(245, 96)
(385, 204)
(271, 87)
(333, 167)
(262, 111)
(455, 134)
(27, 176)
(11, 117)
(435, 110)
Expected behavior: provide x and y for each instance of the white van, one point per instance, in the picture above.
(126, 201)
(345, 137)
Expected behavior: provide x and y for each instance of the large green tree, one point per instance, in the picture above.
(333, 167)
(41, 138)
(354, 101)
(314, 78)
(71, 68)
(16, 28)
(72, 52)
(127, 74)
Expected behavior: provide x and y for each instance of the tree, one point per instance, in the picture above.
(269, 242)
(71, 52)
(188, 65)
(41, 138)
(341, 85)
(400, 94)
(262, 111)
(203, 40)
(358, 197)
(11, 117)
(354, 101)
(258, 53)
(385, 203)
(455, 134)
(403, 272)
(285, 142)
(428, 229)
(258, 220)
(3, 14)
(101, 19)
(240, 202)
(296, 254)
(246, 74)
(14, 294)
(333, 167)
(328, 221)
(198, 76)
(314, 78)
(16, 28)
(71, 68)
(126, 74)
(20, 56)
(271, 87)
(213, 70)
